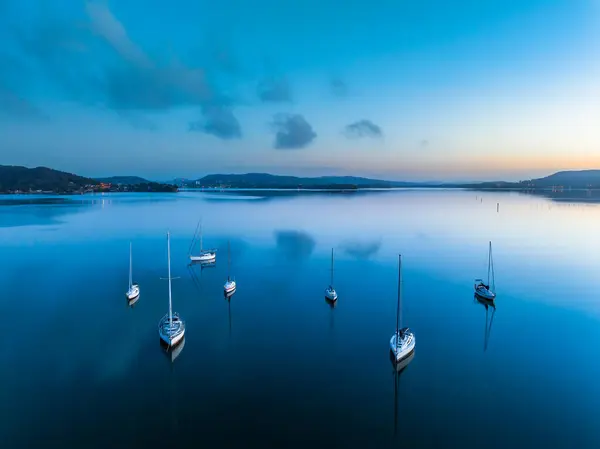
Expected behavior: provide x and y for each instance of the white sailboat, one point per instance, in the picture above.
(402, 343)
(483, 290)
(134, 290)
(330, 292)
(230, 284)
(171, 328)
(204, 255)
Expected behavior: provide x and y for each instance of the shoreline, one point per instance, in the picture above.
(295, 189)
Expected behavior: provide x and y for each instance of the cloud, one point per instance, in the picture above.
(14, 106)
(362, 128)
(218, 121)
(274, 90)
(95, 63)
(423, 144)
(292, 131)
(138, 121)
(225, 59)
(107, 26)
(361, 250)
(296, 245)
(338, 87)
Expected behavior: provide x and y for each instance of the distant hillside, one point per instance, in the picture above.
(575, 179)
(124, 180)
(266, 181)
(15, 178)
(582, 179)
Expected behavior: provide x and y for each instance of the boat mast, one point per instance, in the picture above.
(228, 260)
(489, 262)
(130, 267)
(331, 267)
(201, 237)
(399, 300)
(169, 268)
(492, 265)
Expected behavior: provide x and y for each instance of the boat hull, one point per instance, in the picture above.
(174, 341)
(331, 294)
(171, 335)
(133, 292)
(172, 352)
(208, 257)
(229, 286)
(405, 347)
(485, 294)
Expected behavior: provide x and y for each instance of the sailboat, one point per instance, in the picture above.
(230, 284)
(330, 292)
(205, 255)
(402, 343)
(483, 290)
(171, 328)
(134, 290)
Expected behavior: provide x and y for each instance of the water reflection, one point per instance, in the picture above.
(332, 305)
(398, 370)
(568, 196)
(198, 267)
(295, 245)
(228, 299)
(489, 318)
(361, 249)
(132, 302)
(174, 351)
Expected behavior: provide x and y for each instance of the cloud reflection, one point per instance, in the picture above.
(361, 250)
(296, 245)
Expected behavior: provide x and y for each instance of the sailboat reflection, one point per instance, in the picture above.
(132, 302)
(173, 352)
(228, 299)
(399, 368)
(332, 304)
(488, 319)
(194, 275)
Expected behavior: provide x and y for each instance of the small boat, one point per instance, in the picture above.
(204, 255)
(402, 343)
(133, 292)
(171, 328)
(230, 284)
(330, 292)
(483, 290)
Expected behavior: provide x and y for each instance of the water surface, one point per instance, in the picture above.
(276, 366)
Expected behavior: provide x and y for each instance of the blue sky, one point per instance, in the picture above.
(427, 90)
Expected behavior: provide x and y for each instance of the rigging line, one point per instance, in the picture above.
(194, 238)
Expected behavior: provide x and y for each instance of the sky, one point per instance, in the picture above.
(404, 90)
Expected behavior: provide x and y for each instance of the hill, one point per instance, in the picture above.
(22, 179)
(574, 179)
(580, 179)
(267, 181)
(123, 180)
(16, 179)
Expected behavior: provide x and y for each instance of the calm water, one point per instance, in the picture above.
(276, 366)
